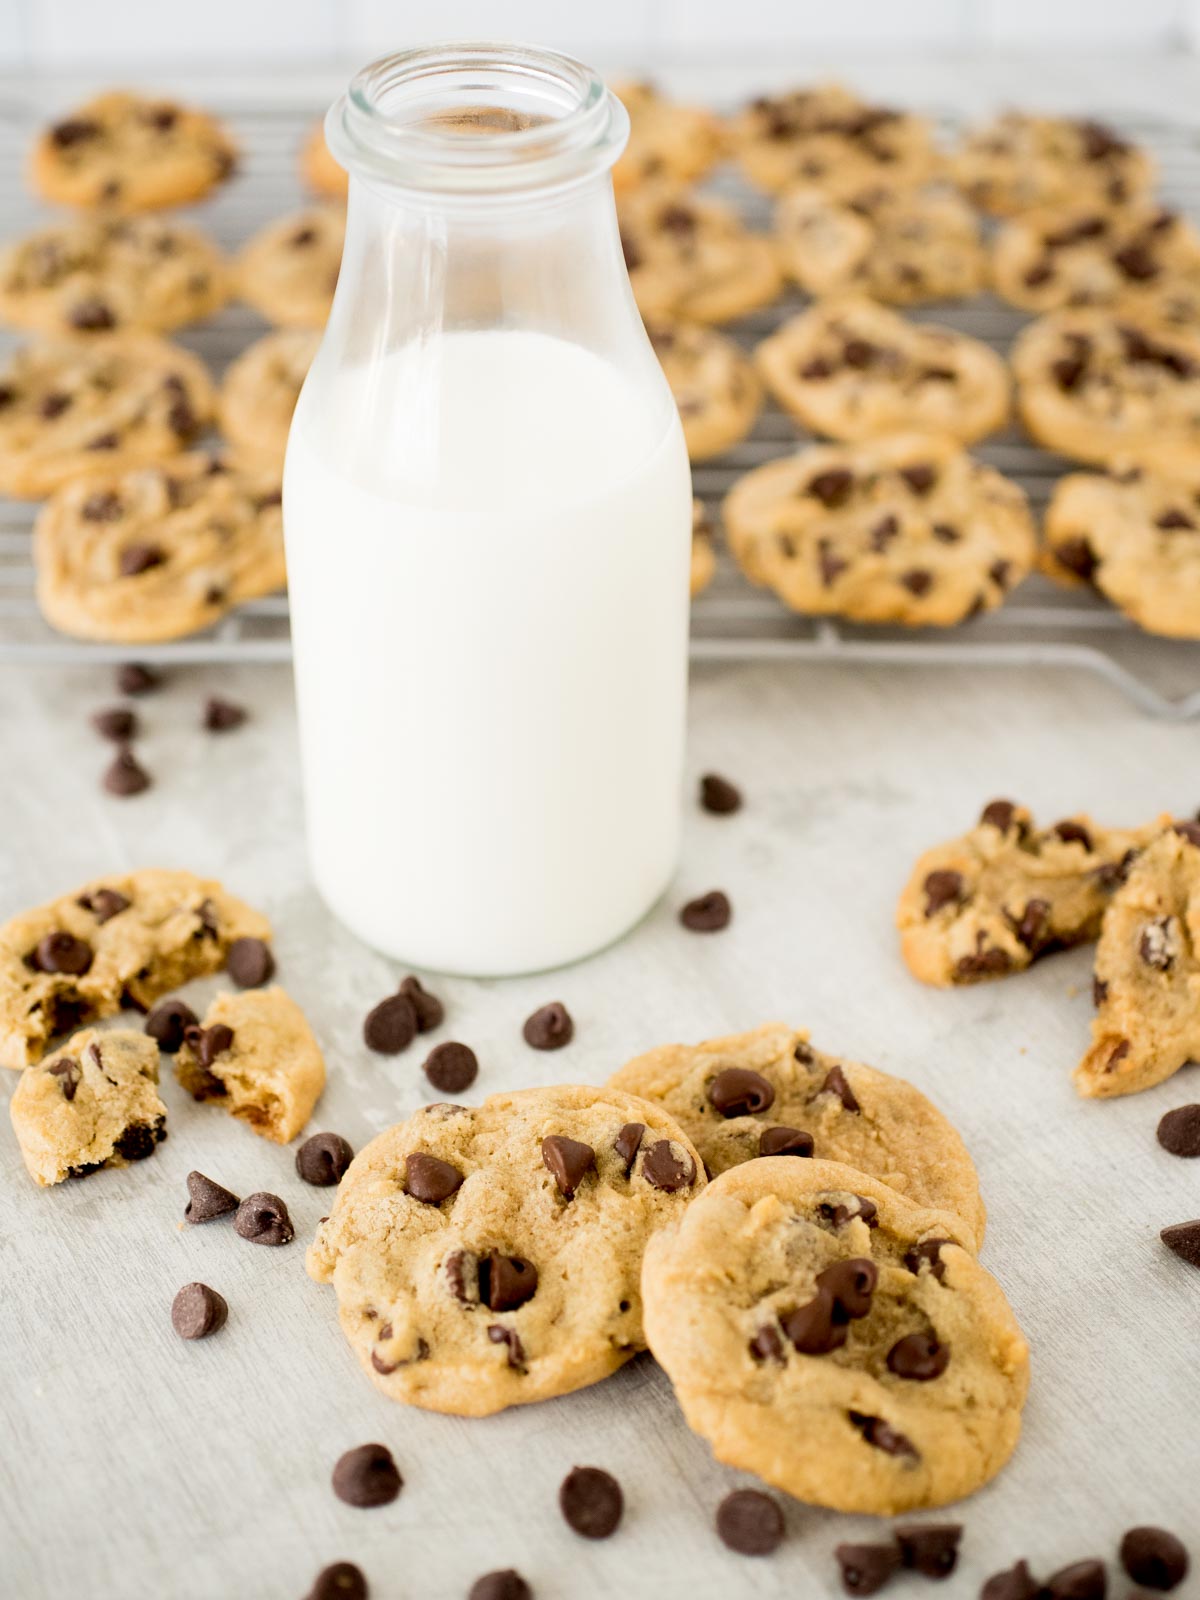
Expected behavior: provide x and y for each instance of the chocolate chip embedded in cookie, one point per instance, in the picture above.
(803, 1346)
(289, 269)
(117, 942)
(323, 175)
(260, 392)
(667, 141)
(1007, 893)
(1020, 161)
(1147, 973)
(94, 1105)
(255, 1055)
(713, 382)
(693, 258)
(489, 1256)
(769, 1092)
(905, 529)
(852, 369)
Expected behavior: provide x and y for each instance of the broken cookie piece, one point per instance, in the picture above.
(94, 1106)
(256, 1053)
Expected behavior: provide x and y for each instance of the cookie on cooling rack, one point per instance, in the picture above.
(260, 392)
(1020, 161)
(903, 247)
(1106, 385)
(714, 384)
(853, 369)
(323, 175)
(159, 551)
(906, 529)
(692, 258)
(704, 560)
(103, 274)
(128, 152)
(668, 141)
(289, 269)
(829, 138)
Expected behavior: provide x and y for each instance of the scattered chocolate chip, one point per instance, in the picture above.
(816, 369)
(1015, 1583)
(919, 1357)
(506, 1585)
(62, 952)
(92, 316)
(738, 1092)
(1068, 371)
(429, 1010)
(430, 1180)
(568, 1161)
(549, 1028)
(118, 723)
(323, 1158)
(832, 488)
(766, 1344)
(451, 1067)
(946, 533)
(837, 1083)
(839, 1215)
(207, 1200)
(931, 1550)
(859, 353)
(208, 1043)
(53, 405)
(73, 130)
(1184, 1239)
(927, 1254)
(628, 1142)
(1186, 830)
(816, 1328)
(341, 1581)
(1136, 261)
(1078, 557)
(882, 1436)
(168, 1023)
(505, 1282)
(1156, 947)
(986, 961)
(263, 1219)
(126, 776)
(918, 582)
(1073, 833)
(591, 1502)
(942, 888)
(1082, 1580)
(1031, 926)
(69, 1075)
(663, 1169)
(250, 963)
(367, 1476)
(197, 1311)
(1174, 521)
(1154, 1558)
(220, 716)
(1099, 991)
(866, 1567)
(750, 1522)
(920, 476)
(135, 678)
(708, 914)
(1179, 1131)
(138, 558)
(785, 1142)
(719, 796)
(140, 1139)
(850, 1284)
(999, 814)
(884, 531)
(103, 506)
(498, 1334)
(391, 1026)
(831, 564)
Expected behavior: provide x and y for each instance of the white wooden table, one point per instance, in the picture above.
(133, 1464)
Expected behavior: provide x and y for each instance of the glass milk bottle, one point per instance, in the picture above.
(487, 509)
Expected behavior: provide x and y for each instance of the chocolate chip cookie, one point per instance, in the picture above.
(68, 407)
(836, 1339)
(120, 941)
(260, 392)
(1147, 973)
(323, 175)
(1007, 893)
(289, 269)
(714, 384)
(1020, 161)
(1099, 385)
(852, 369)
(704, 560)
(1135, 536)
(769, 1092)
(1142, 257)
(668, 141)
(488, 1256)
(828, 138)
(95, 1105)
(900, 246)
(159, 551)
(693, 258)
(107, 274)
(129, 152)
(902, 529)
(254, 1054)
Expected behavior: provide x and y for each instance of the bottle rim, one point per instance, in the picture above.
(477, 118)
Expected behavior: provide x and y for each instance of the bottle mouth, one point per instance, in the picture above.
(477, 119)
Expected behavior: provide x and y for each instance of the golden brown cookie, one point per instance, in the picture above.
(1019, 161)
(255, 1056)
(678, 143)
(692, 258)
(323, 175)
(260, 391)
(704, 560)
(289, 269)
(714, 384)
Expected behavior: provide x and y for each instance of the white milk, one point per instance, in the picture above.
(488, 542)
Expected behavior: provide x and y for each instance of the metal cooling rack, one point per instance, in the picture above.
(1041, 625)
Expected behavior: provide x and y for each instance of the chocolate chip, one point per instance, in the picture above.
(946, 533)
(250, 963)
(859, 353)
(140, 1139)
(919, 1357)
(999, 814)
(207, 1044)
(103, 506)
(866, 1567)
(323, 1158)
(168, 1023)
(627, 1144)
(942, 888)
(263, 1219)
(832, 488)
(931, 1550)
(708, 914)
(738, 1092)
(1099, 991)
(882, 1436)
(505, 1282)
(53, 405)
(62, 952)
(839, 1215)
(135, 678)
(986, 961)
(1174, 521)
(1068, 372)
(138, 558)
(367, 1476)
(837, 1083)
(207, 1200)
(1015, 1583)
(927, 1254)
(1154, 1558)
(1136, 261)
(766, 1344)
(430, 1180)
(1071, 832)
(920, 476)
(1184, 1239)
(69, 1075)
(429, 1010)
(816, 369)
(220, 716)
(341, 1581)
(92, 316)
(831, 564)
(568, 1161)
(1078, 557)
(1082, 1580)
(509, 1336)
(549, 1028)
(719, 796)
(72, 131)
(785, 1142)
(1179, 1131)
(750, 1522)
(118, 723)
(197, 1311)
(918, 582)
(850, 1284)
(391, 1026)
(1156, 947)
(506, 1585)
(1041, 272)
(1030, 927)
(816, 1328)
(663, 1169)
(1186, 830)
(126, 776)
(451, 1067)
(591, 1502)
(884, 531)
